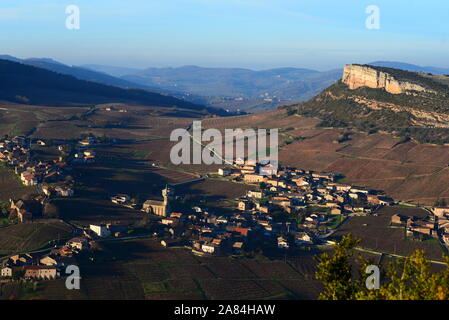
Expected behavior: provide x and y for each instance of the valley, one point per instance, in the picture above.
(132, 160)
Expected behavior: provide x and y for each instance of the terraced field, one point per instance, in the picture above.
(143, 269)
(377, 234)
(31, 236)
(11, 188)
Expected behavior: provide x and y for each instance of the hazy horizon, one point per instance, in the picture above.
(263, 34)
(146, 66)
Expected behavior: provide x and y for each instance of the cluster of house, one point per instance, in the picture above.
(113, 108)
(315, 197)
(16, 153)
(432, 226)
(207, 233)
(84, 154)
(39, 266)
(25, 210)
(442, 223)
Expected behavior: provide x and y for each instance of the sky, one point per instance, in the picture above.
(256, 34)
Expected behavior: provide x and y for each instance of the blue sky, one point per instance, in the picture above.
(258, 34)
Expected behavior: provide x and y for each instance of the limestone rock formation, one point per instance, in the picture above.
(356, 76)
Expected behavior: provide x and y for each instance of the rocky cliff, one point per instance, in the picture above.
(356, 76)
(369, 98)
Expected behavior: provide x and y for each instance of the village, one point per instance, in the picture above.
(51, 179)
(286, 209)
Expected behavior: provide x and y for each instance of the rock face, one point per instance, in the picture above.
(356, 76)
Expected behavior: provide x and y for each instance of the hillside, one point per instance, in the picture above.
(405, 169)
(27, 84)
(243, 89)
(285, 83)
(231, 88)
(81, 73)
(371, 98)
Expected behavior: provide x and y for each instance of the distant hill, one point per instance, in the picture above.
(240, 88)
(111, 70)
(410, 67)
(371, 98)
(32, 85)
(77, 72)
(282, 83)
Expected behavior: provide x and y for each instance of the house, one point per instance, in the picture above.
(253, 178)
(398, 219)
(224, 172)
(336, 211)
(264, 209)
(255, 194)
(386, 201)
(300, 181)
(21, 259)
(268, 169)
(244, 205)
(58, 261)
(341, 187)
(237, 247)
(282, 243)
(303, 238)
(6, 272)
(171, 243)
(170, 221)
(209, 248)
(64, 191)
(100, 230)
(120, 198)
(86, 142)
(440, 211)
(332, 204)
(41, 272)
(359, 190)
(239, 161)
(78, 243)
(47, 190)
(29, 179)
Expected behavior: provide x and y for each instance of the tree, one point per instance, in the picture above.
(4, 208)
(405, 279)
(336, 272)
(411, 279)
